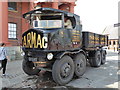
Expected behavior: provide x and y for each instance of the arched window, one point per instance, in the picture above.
(109, 42)
(113, 42)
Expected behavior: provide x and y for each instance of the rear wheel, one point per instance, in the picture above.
(63, 70)
(103, 57)
(96, 60)
(80, 64)
(28, 68)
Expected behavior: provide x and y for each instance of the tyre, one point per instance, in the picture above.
(63, 70)
(28, 68)
(80, 64)
(96, 60)
(103, 57)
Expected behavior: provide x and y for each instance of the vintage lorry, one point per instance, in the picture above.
(52, 46)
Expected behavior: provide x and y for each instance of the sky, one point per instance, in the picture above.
(96, 15)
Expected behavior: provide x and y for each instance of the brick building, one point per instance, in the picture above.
(12, 23)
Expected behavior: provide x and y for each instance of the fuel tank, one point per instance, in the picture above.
(51, 39)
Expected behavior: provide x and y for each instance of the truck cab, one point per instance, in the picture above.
(52, 30)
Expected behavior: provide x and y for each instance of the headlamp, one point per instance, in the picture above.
(49, 56)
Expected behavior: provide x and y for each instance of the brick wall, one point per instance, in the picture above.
(64, 7)
(16, 17)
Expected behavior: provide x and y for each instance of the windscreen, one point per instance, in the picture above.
(46, 21)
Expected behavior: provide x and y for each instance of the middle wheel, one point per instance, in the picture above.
(63, 70)
(80, 64)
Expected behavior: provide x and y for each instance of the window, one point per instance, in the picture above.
(109, 42)
(46, 20)
(12, 28)
(113, 42)
(47, 23)
(117, 42)
(12, 6)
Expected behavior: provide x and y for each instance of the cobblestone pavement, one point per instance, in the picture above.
(16, 78)
(105, 76)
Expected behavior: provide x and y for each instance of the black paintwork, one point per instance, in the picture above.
(61, 39)
(93, 40)
(50, 10)
(56, 40)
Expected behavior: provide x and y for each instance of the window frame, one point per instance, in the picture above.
(12, 7)
(13, 31)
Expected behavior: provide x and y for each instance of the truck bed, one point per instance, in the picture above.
(93, 40)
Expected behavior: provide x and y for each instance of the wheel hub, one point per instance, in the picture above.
(65, 70)
(79, 64)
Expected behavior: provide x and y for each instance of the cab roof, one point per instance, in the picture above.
(51, 10)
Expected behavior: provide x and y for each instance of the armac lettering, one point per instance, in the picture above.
(32, 40)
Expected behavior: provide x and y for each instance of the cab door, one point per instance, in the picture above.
(67, 39)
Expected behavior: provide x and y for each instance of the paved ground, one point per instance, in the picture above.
(105, 76)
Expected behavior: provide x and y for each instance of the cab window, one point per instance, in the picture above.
(46, 21)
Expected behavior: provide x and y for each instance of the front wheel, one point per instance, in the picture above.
(28, 68)
(63, 70)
